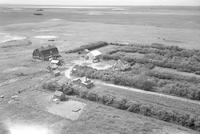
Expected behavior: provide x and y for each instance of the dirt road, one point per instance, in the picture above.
(68, 72)
(148, 92)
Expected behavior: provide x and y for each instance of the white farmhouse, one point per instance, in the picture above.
(94, 55)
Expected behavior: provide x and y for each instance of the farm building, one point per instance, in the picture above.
(84, 81)
(44, 53)
(121, 66)
(94, 55)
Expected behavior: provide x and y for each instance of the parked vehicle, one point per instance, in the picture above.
(84, 81)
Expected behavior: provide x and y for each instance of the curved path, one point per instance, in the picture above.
(68, 72)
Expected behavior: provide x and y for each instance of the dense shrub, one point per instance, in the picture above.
(119, 102)
(133, 106)
(159, 55)
(107, 99)
(52, 85)
(197, 123)
(119, 78)
(182, 89)
(144, 82)
(67, 89)
(92, 96)
(172, 76)
(166, 63)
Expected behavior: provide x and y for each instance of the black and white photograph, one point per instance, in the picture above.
(99, 66)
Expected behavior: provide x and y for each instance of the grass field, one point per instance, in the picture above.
(150, 99)
(69, 28)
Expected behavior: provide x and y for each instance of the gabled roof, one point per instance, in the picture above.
(54, 61)
(95, 53)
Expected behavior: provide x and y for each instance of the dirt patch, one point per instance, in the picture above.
(100, 66)
(103, 65)
(69, 109)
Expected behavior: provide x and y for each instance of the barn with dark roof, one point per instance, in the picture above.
(44, 53)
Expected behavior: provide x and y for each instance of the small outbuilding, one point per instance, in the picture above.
(94, 55)
(44, 53)
(121, 65)
(59, 96)
(84, 81)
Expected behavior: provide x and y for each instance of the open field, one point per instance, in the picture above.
(23, 102)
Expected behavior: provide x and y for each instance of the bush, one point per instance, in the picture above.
(145, 109)
(84, 93)
(182, 89)
(107, 99)
(119, 103)
(67, 89)
(145, 83)
(52, 85)
(92, 96)
(197, 123)
(133, 106)
(174, 76)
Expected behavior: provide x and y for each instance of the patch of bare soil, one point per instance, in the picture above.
(69, 109)
(103, 65)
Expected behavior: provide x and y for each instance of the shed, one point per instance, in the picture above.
(121, 65)
(59, 95)
(44, 53)
(55, 62)
(93, 55)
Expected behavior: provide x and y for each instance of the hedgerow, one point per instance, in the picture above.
(172, 76)
(181, 65)
(119, 78)
(143, 81)
(182, 89)
(187, 60)
(162, 113)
